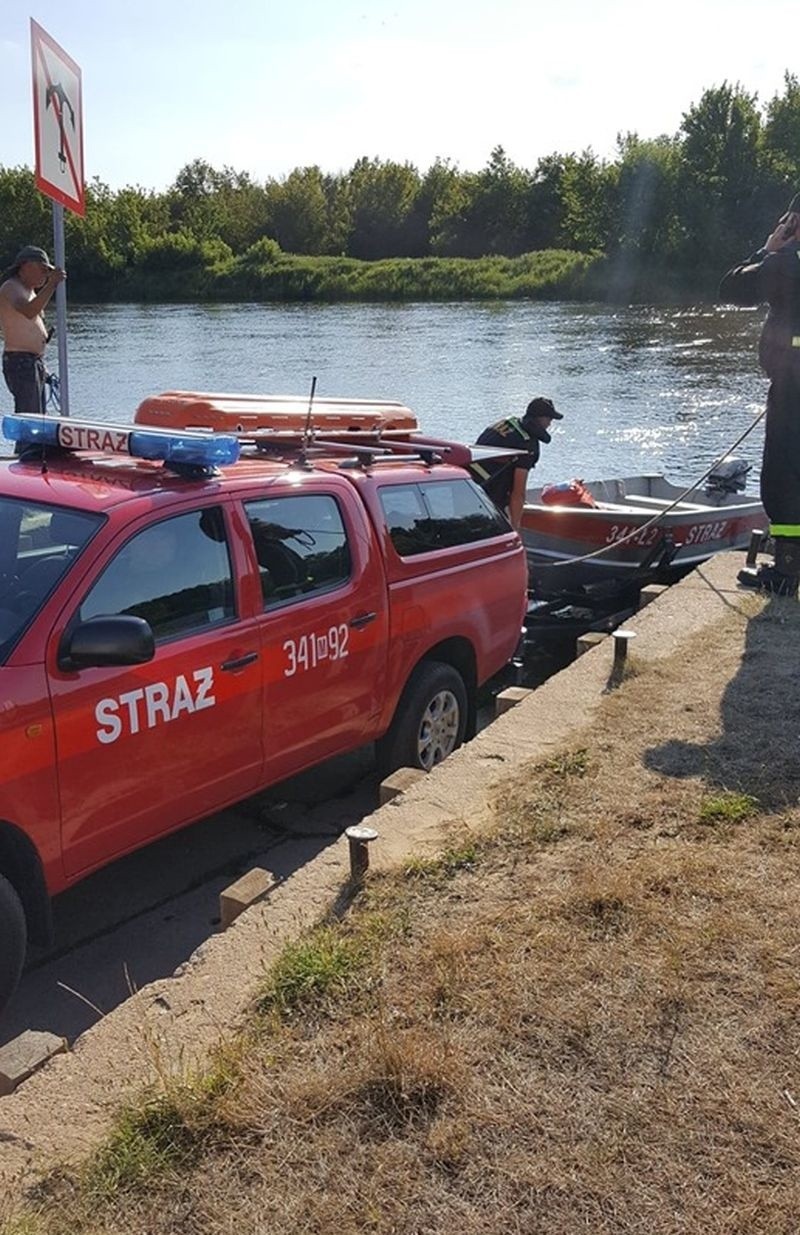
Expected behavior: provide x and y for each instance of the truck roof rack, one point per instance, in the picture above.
(198, 452)
(360, 445)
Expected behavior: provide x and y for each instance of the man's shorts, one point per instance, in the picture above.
(25, 373)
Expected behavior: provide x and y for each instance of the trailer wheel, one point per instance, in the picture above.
(430, 721)
(13, 940)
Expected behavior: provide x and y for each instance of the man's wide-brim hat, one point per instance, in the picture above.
(541, 407)
(30, 253)
(794, 206)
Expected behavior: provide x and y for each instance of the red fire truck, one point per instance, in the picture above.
(188, 616)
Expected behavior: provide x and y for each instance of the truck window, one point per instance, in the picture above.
(438, 515)
(38, 544)
(175, 574)
(301, 546)
(408, 519)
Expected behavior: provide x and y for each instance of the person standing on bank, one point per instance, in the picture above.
(27, 289)
(772, 275)
(505, 481)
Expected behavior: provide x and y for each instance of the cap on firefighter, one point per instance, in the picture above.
(541, 407)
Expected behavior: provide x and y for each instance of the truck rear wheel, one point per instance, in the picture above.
(13, 940)
(430, 720)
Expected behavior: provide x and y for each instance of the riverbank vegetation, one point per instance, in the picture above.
(584, 1018)
(662, 219)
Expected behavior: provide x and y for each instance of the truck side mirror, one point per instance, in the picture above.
(104, 641)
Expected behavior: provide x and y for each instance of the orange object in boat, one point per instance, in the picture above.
(237, 413)
(568, 493)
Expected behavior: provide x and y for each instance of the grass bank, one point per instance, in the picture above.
(584, 1020)
(200, 271)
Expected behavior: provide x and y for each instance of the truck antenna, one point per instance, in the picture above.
(307, 430)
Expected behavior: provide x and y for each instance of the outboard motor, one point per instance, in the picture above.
(729, 476)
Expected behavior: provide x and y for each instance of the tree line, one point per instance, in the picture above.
(663, 218)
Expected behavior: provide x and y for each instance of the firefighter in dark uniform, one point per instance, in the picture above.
(505, 480)
(773, 275)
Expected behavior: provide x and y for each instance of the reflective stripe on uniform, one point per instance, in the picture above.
(784, 529)
(519, 427)
(502, 428)
(480, 471)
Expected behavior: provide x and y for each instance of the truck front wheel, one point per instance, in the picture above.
(13, 940)
(430, 720)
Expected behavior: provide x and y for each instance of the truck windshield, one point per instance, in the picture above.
(38, 544)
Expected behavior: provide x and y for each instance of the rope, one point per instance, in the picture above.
(637, 531)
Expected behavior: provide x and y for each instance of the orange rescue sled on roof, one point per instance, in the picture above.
(237, 413)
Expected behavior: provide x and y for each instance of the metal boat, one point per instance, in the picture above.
(643, 526)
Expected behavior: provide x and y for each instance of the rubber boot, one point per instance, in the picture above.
(778, 578)
(787, 561)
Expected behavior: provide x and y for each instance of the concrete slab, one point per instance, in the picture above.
(252, 887)
(650, 593)
(398, 783)
(509, 698)
(25, 1055)
(591, 639)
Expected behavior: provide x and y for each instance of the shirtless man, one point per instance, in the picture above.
(28, 287)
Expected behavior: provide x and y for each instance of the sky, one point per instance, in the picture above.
(267, 87)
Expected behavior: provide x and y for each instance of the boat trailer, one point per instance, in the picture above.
(564, 616)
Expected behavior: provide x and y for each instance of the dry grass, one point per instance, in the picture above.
(587, 1022)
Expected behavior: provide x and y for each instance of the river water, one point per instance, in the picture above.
(641, 388)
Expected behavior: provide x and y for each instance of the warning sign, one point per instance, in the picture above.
(57, 122)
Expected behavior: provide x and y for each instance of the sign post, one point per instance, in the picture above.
(58, 136)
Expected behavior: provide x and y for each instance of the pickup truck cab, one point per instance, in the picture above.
(178, 633)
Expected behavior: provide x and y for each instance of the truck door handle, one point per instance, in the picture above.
(362, 619)
(239, 662)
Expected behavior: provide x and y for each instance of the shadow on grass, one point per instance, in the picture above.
(758, 749)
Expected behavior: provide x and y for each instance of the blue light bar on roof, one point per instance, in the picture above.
(213, 450)
(179, 446)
